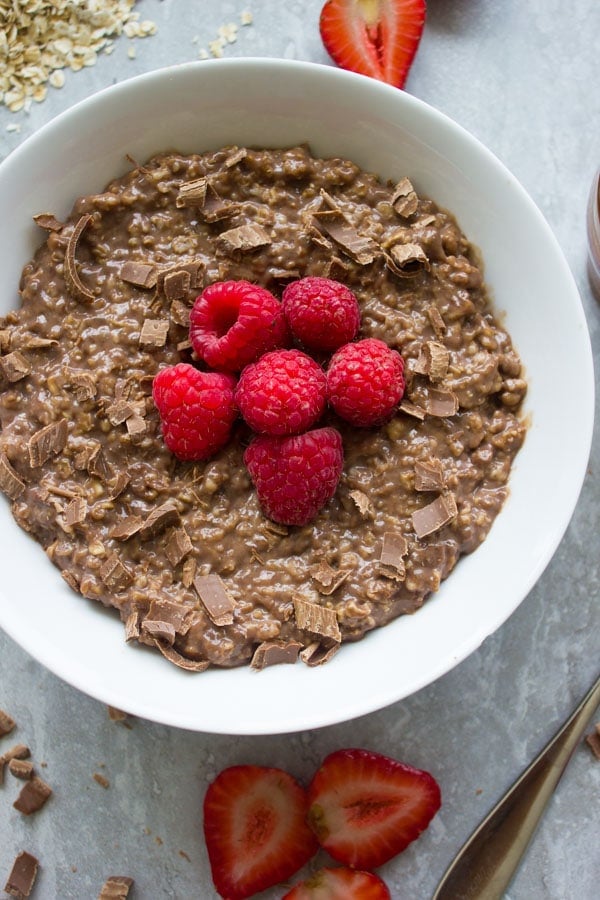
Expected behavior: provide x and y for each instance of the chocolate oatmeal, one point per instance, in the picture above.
(182, 549)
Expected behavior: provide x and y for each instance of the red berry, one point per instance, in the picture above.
(255, 829)
(322, 314)
(295, 476)
(282, 393)
(365, 808)
(365, 382)
(196, 408)
(233, 322)
(340, 884)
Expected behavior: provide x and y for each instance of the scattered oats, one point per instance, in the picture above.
(57, 78)
(216, 47)
(203, 54)
(228, 32)
(131, 51)
(12, 126)
(246, 17)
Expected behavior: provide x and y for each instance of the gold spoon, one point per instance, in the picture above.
(485, 865)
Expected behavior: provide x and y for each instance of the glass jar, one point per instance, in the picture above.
(593, 233)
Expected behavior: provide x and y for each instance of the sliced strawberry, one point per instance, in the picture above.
(373, 37)
(340, 884)
(255, 829)
(365, 808)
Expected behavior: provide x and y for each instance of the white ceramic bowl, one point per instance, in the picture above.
(201, 106)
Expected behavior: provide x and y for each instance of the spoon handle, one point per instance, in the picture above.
(485, 865)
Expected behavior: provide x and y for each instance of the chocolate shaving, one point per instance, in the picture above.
(393, 549)
(48, 221)
(10, 483)
(411, 410)
(182, 662)
(21, 768)
(239, 154)
(114, 574)
(15, 366)
(194, 267)
(136, 427)
(126, 528)
(121, 410)
(202, 193)
(156, 629)
(216, 600)
(22, 876)
(317, 653)
(47, 442)
(243, 238)
(142, 275)
(273, 653)
(180, 313)
(404, 199)
(437, 322)
(91, 458)
(7, 723)
(19, 751)
(116, 715)
(328, 579)
(116, 887)
(71, 580)
(76, 511)
(175, 614)
(176, 284)
(192, 193)
(102, 780)
(154, 332)
(164, 515)
(188, 571)
(429, 476)
(177, 545)
(435, 515)
(132, 626)
(406, 260)
(118, 486)
(72, 279)
(32, 342)
(334, 225)
(433, 361)
(317, 619)
(6, 337)
(441, 404)
(363, 504)
(83, 382)
(33, 796)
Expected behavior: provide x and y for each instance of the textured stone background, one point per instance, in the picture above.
(524, 78)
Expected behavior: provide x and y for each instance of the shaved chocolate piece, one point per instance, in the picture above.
(433, 361)
(71, 580)
(114, 574)
(22, 876)
(406, 260)
(6, 337)
(328, 578)
(91, 457)
(404, 199)
(21, 768)
(242, 238)
(48, 221)
(235, 157)
(176, 284)
(121, 410)
(188, 571)
(126, 528)
(274, 653)
(142, 275)
(180, 313)
(19, 751)
(216, 599)
(363, 504)
(177, 545)
(317, 653)
(116, 887)
(83, 382)
(136, 427)
(10, 483)
(195, 268)
(132, 626)
(192, 193)
(33, 796)
(175, 614)
(47, 442)
(76, 511)
(7, 723)
(437, 322)
(336, 226)
(118, 486)
(442, 404)
(72, 279)
(411, 410)
(33, 342)
(157, 629)
(435, 515)
(15, 366)
(182, 662)
(164, 515)
(429, 476)
(215, 208)
(317, 619)
(116, 715)
(154, 332)
(393, 549)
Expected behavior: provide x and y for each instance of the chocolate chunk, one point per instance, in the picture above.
(429, 476)
(84, 384)
(195, 269)
(274, 653)
(164, 515)
(177, 284)
(154, 332)
(19, 751)
(132, 626)
(437, 322)
(136, 427)
(328, 579)
(317, 619)
(15, 366)
(441, 404)
(406, 260)
(182, 662)
(336, 226)
(10, 482)
(435, 515)
(180, 314)
(216, 600)
(317, 653)
(71, 579)
(433, 361)
(7, 723)
(157, 629)
(76, 511)
(177, 545)
(363, 504)
(243, 238)
(22, 876)
(188, 571)
(126, 528)
(72, 279)
(116, 887)
(411, 410)
(33, 796)
(175, 614)
(32, 342)
(118, 485)
(404, 199)
(236, 156)
(393, 549)
(21, 768)
(47, 442)
(142, 275)
(48, 221)
(192, 193)
(121, 410)
(91, 457)
(114, 574)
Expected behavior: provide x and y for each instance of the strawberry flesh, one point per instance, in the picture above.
(365, 807)
(255, 829)
(378, 38)
(340, 884)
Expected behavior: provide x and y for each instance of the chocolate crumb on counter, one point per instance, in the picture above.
(116, 715)
(100, 779)
(593, 741)
(19, 751)
(21, 768)
(34, 794)
(7, 723)
(116, 887)
(22, 876)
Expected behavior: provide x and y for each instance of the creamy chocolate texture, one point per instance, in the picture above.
(182, 550)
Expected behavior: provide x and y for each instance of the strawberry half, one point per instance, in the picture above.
(378, 38)
(365, 808)
(340, 884)
(255, 829)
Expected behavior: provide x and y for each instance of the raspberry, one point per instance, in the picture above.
(196, 408)
(233, 322)
(322, 314)
(365, 382)
(295, 476)
(282, 393)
